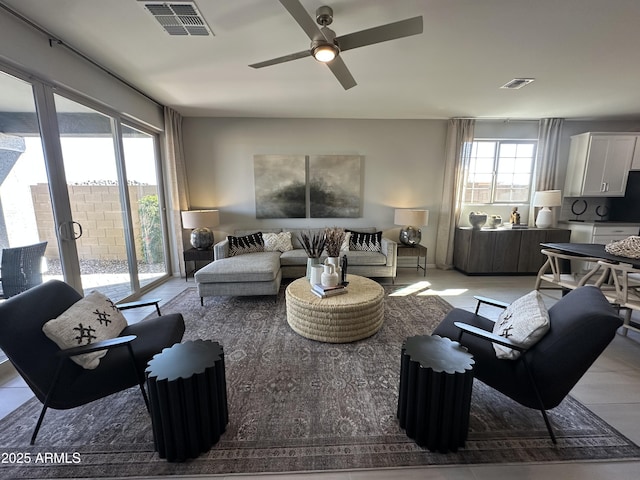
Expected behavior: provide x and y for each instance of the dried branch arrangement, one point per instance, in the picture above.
(313, 244)
(334, 238)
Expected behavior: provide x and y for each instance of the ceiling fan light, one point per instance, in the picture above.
(325, 52)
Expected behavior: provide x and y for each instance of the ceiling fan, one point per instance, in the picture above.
(326, 47)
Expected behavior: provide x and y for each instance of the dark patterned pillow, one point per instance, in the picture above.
(365, 242)
(247, 244)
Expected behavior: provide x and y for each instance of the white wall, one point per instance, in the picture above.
(403, 166)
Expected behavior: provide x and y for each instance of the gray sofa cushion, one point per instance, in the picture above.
(251, 267)
(294, 257)
(355, 257)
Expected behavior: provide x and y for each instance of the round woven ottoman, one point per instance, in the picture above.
(343, 318)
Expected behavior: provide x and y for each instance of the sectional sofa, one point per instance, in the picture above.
(259, 271)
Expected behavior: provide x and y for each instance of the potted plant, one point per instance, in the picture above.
(334, 238)
(313, 245)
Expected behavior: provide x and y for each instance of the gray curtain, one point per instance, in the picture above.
(546, 168)
(176, 184)
(457, 154)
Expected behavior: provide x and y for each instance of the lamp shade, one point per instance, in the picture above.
(416, 218)
(411, 221)
(200, 218)
(547, 198)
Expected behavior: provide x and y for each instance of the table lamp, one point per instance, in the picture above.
(411, 220)
(546, 199)
(200, 221)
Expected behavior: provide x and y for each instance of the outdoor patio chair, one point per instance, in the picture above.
(21, 268)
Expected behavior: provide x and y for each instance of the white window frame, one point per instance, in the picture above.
(494, 173)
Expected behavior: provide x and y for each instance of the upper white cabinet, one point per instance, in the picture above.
(599, 164)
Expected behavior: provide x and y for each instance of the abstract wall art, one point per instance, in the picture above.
(299, 186)
(335, 186)
(280, 186)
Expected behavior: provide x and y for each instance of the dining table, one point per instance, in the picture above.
(595, 250)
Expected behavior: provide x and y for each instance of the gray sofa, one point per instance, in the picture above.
(260, 273)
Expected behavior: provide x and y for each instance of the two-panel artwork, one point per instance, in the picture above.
(315, 186)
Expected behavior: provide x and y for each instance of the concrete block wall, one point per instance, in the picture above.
(97, 208)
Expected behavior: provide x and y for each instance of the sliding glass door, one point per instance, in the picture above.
(88, 143)
(140, 154)
(88, 183)
(115, 199)
(25, 209)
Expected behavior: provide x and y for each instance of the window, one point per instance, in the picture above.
(500, 171)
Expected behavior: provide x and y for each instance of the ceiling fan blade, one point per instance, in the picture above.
(285, 58)
(342, 73)
(300, 15)
(383, 33)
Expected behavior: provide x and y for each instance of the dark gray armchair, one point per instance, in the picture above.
(55, 379)
(583, 323)
(21, 268)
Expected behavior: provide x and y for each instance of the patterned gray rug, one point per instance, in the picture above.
(298, 405)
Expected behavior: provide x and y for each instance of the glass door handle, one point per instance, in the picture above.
(76, 234)
(67, 230)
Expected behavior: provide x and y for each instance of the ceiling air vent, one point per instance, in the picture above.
(517, 83)
(178, 18)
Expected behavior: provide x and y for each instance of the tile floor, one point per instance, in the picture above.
(611, 388)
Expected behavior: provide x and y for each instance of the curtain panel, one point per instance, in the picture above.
(457, 157)
(546, 168)
(176, 184)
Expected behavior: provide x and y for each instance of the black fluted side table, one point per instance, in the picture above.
(188, 396)
(436, 379)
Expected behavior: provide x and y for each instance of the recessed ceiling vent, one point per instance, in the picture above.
(517, 83)
(178, 18)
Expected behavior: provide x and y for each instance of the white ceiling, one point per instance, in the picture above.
(584, 55)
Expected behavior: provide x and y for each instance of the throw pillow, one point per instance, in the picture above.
(345, 243)
(365, 242)
(89, 320)
(525, 322)
(247, 244)
(277, 242)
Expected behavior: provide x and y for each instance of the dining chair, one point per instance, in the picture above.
(552, 271)
(625, 294)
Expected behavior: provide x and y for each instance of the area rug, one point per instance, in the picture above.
(298, 405)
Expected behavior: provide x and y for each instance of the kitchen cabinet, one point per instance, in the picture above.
(600, 232)
(599, 164)
(503, 251)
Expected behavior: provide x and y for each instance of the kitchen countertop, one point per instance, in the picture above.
(607, 223)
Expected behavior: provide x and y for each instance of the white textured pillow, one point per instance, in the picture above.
(525, 322)
(345, 243)
(89, 320)
(277, 242)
